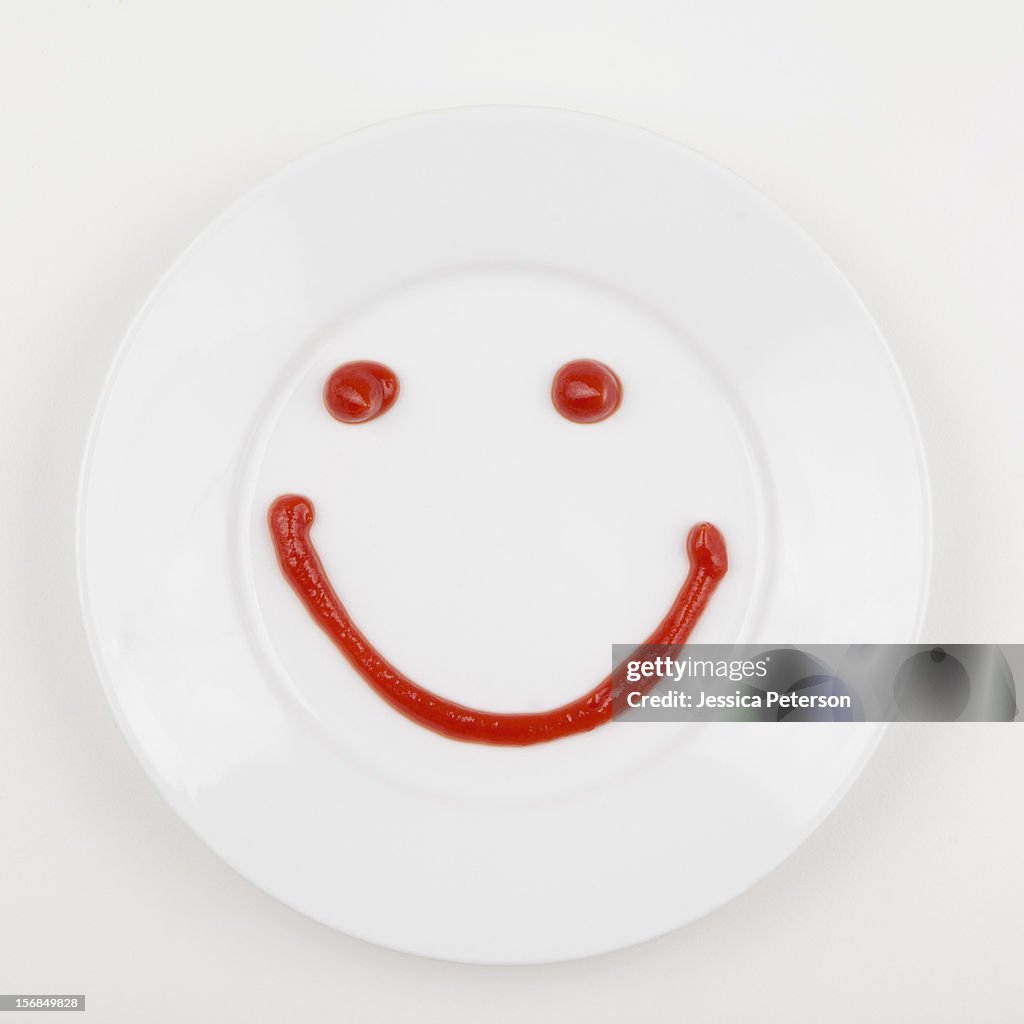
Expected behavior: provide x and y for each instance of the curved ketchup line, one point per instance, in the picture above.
(289, 520)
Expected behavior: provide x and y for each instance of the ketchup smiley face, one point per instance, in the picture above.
(583, 391)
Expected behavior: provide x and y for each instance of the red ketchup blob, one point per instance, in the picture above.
(360, 391)
(289, 520)
(586, 391)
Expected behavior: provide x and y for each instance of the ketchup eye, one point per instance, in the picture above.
(586, 391)
(360, 391)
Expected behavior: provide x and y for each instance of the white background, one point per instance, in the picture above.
(891, 130)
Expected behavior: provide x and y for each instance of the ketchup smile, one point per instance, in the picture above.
(289, 520)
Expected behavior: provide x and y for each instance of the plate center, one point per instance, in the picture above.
(488, 547)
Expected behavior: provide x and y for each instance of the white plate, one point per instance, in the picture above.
(489, 547)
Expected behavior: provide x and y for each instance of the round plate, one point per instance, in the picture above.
(489, 547)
